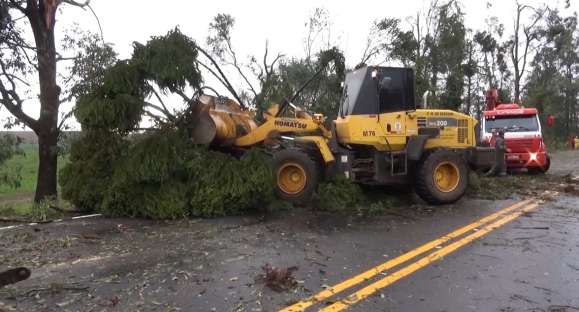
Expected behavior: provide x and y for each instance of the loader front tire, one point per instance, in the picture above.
(296, 175)
(442, 177)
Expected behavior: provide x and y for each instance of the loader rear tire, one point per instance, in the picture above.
(442, 177)
(296, 175)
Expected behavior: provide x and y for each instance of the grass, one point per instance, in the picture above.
(16, 209)
(28, 164)
(17, 202)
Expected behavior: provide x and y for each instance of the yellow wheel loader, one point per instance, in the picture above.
(379, 137)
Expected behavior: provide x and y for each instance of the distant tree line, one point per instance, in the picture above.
(533, 62)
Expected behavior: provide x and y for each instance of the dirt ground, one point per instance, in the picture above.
(98, 264)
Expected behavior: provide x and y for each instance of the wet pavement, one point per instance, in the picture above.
(529, 264)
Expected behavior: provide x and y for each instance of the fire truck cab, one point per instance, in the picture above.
(523, 135)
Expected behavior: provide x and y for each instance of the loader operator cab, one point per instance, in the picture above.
(377, 90)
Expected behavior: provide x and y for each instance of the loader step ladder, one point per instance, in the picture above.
(363, 170)
(397, 158)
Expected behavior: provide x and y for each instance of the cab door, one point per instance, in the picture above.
(394, 128)
(395, 99)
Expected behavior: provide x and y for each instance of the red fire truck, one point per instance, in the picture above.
(523, 135)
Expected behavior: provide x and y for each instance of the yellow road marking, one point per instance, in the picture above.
(413, 267)
(331, 291)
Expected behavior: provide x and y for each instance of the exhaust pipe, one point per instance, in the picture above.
(425, 99)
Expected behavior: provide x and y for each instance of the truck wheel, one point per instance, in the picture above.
(296, 175)
(442, 178)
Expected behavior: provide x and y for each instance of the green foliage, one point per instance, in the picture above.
(222, 185)
(498, 188)
(152, 158)
(435, 47)
(340, 195)
(379, 207)
(161, 175)
(322, 95)
(24, 166)
(118, 103)
(553, 85)
(335, 56)
(169, 60)
(145, 180)
(156, 201)
(220, 34)
(9, 147)
(86, 178)
(93, 58)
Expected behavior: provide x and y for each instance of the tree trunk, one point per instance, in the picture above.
(41, 17)
(517, 88)
(47, 166)
(469, 95)
(47, 127)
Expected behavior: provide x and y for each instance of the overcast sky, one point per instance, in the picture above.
(282, 23)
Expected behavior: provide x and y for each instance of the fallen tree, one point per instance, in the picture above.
(161, 173)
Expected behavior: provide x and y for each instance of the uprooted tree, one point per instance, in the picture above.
(161, 173)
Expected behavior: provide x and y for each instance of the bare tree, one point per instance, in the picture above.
(379, 40)
(222, 52)
(318, 32)
(520, 45)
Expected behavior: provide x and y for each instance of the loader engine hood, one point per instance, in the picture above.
(374, 90)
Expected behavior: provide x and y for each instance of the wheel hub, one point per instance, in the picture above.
(446, 177)
(291, 178)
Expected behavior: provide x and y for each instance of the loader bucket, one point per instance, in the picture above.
(221, 121)
(204, 130)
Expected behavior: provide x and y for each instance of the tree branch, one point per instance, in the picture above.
(184, 96)
(164, 110)
(265, 59)
(76, 3)
(15, 4)
(157, 118)
(84, 5)
(8, 99)
(236, 65)
(168, 116)
(12, 101)
(66, 99)
(225, 81)
(212, 72)
(64, 118)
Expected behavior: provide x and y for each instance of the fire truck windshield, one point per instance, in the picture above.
(512, 123)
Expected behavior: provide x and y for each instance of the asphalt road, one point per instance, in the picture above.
(518, 254)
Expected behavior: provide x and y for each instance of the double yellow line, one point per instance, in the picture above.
(480, 228)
